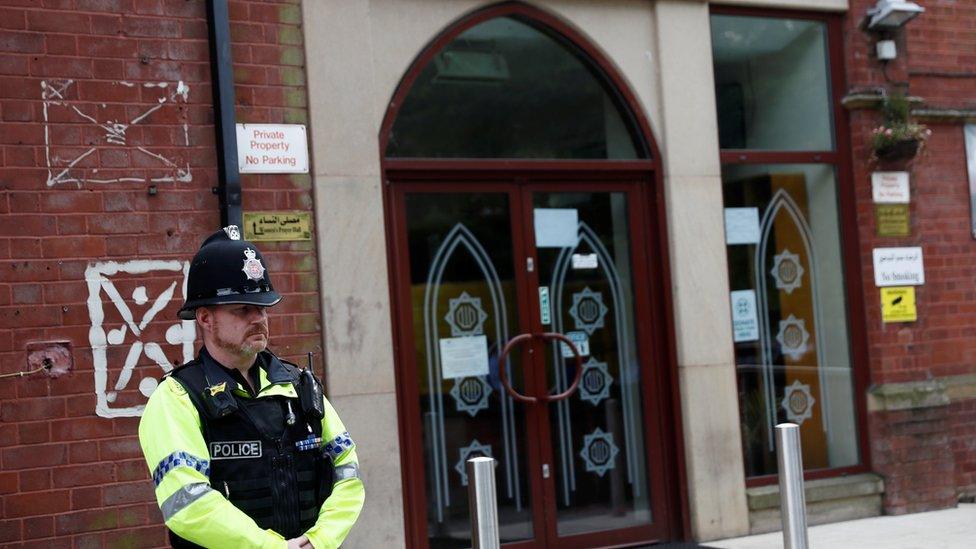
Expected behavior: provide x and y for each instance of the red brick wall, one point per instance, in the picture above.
(70, 477)
(926, 454)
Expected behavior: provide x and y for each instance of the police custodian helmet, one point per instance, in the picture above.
(227, 270)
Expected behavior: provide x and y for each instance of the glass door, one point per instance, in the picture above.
(464, 299)
(498, 272)
(586, 244)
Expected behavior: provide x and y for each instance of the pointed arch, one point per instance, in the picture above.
(783, 204)
(461, 238)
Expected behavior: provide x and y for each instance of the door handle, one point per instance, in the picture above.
(548, 336)
(577, 358)
(503, 375)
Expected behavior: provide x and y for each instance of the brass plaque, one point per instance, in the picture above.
(277, 226)
(892, 220)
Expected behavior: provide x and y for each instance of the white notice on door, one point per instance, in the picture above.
(555, 227)
(585, 261)
(741, 225)
(898, 267)
(464, 356)
(745, 326)
(582, 345)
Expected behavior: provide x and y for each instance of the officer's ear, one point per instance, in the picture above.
(205, 318)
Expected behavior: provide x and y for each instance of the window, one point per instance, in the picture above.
(772, 83)
(506, 89)
(785, 246)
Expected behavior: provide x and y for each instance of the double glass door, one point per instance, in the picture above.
(525, 335)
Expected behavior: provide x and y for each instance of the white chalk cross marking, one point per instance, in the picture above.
(61, 171)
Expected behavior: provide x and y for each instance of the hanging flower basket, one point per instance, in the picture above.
(899, 138)
(898, 150)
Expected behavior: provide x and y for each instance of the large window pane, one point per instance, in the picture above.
(789, 312)
(505, 89)
(772, 84)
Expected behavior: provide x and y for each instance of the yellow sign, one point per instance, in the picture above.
(271, 226)
(892, 220)
(898, 304)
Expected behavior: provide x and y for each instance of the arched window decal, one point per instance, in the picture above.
(784, 209)
(510, 87)
(460, 238)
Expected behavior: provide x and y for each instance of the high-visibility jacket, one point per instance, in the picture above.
(171, 433)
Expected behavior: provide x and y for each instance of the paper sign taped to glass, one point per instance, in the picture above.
(556, 227)
(464, 356)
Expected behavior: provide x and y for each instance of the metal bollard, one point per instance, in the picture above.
(482, 503)
(792, 500)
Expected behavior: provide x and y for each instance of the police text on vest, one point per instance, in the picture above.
(238, 449)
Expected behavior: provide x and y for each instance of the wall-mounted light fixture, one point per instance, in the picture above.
(885, 18)
(892, 14)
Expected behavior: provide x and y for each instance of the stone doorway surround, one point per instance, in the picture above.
(357, 52)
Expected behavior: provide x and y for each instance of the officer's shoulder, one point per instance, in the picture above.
(178, 376)
(290, 367)
(181, 367)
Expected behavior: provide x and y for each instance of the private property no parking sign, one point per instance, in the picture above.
(272, 148)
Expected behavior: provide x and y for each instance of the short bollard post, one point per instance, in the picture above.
(482, 503)
(792, 500)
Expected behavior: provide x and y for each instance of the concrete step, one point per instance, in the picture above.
(828, 500)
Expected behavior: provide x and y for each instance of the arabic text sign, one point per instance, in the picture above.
(272, 148)
(898, 267)
(892, 220)
(272, 226)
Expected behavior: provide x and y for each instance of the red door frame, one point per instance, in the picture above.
(651, 214)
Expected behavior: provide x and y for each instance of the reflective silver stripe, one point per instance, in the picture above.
(349, 470)
(183, 497)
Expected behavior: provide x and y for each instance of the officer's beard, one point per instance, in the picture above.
(244, 348)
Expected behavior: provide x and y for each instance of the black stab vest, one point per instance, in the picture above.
(254, 462)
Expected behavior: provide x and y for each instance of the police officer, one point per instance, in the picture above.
(243, 448)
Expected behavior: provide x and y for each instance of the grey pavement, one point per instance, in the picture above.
(946, 529)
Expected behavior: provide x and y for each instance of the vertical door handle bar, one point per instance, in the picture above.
(503, 375)
(577, 358)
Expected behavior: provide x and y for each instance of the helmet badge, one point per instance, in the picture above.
(233, 232)
(253, 269)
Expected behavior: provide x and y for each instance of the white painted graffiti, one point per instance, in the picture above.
(64, 156)
(103, 334)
